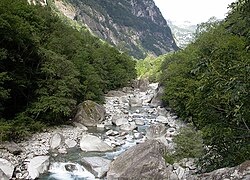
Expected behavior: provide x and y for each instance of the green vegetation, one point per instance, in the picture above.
(207, 84)
(150, 67)
(48, 67)
(188, 144)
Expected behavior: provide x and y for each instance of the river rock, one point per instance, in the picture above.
(139, 122)
(93, 143)
(56, 140)
(128, 127)
(241, 171)
(38, 165)
(147, 98)
(97, 165)
(155, 131)
(162, 119)
(89, 113)
(157, 101)
(80, 126)
(142, 84)
(118, 121)
(3, 176)
(13, 148)
(135, 101)
(70, 167)
(6, 169)
(70, 143)
(143, 161)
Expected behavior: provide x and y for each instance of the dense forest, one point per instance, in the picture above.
(207, 84)
(48, 67)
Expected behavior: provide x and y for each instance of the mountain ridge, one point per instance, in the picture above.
(132, 26)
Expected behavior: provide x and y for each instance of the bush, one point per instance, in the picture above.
(188, 144)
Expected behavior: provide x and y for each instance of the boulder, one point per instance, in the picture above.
(139, 122)
(3, 176)
(93, 143)
(70, 143)
(80, 126)
(70, 167)
(157, 101)
(56, 140)
(89, 113)
(128, 127)
(241, 171)
(162, 119)
(143, 161)
(6, 169)
(155, 131)
(13, 148)
(143, 84)
(96, 165)
(118, 121)
(38, 165)
(135, 101)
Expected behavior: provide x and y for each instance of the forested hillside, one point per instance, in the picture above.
(47, 68)
(208, 85)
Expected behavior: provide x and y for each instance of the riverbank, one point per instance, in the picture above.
(133, 118)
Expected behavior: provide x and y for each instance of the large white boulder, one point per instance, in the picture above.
(6, 169)
(38, 165)
(93, 143)
(70, 143)
(56, 140)
(118, 121)
(143, 161)
(97, 165)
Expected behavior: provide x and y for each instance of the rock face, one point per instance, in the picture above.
(89, 113)
(3, 176)
(143, 161)
(93, 143)
(135, 26)
(38, 165)
(97, 165)
(6, 169)
(156, 101)
(239, 172)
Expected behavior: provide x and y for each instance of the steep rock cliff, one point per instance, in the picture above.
(134, 26)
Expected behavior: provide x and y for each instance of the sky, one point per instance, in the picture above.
(195, 11)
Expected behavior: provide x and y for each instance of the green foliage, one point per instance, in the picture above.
(188, 144)
(208, 84)
(48, 67)
(150, 67)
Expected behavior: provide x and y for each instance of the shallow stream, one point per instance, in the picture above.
(69, 166)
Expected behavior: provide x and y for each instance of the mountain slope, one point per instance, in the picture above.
(183, 32)
(134, 26)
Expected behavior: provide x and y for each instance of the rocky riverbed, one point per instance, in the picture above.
(131, 120)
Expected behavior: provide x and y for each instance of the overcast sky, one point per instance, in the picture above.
(195, 11)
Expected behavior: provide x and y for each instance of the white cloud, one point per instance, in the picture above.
(195, 11)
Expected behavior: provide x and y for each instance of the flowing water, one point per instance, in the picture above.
(69, 166)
